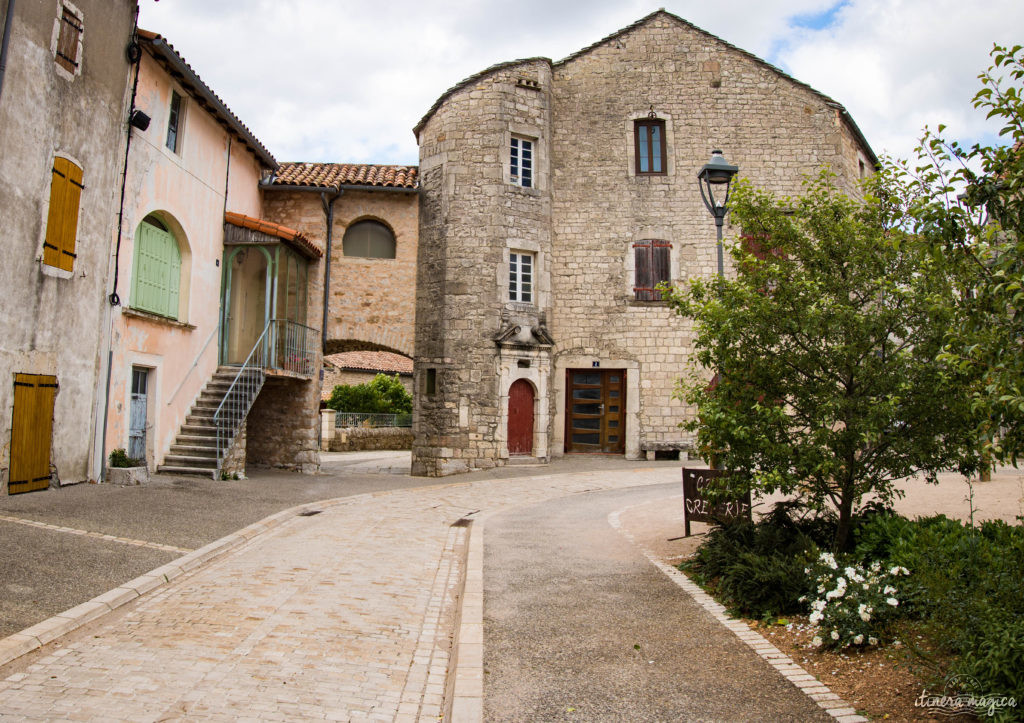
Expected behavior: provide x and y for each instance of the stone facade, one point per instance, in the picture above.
(372, 301)
(579, 220)
(283, 426)
(55, 110)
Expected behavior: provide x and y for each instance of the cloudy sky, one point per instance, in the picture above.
(346, 80)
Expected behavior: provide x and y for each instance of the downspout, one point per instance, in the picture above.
(134, 53)
(329, 213)
(6, 42)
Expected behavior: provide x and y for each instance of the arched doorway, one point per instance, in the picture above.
(520, 418)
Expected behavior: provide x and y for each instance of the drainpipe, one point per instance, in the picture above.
(6, 42)
(329, 213)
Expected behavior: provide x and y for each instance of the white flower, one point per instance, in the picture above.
(895, 571)
(807, 571)
(889, 590)
(818, 605)
(835, 635)
(865, 612)
(876, 566)
(821, 589)
(841, 582)
(904, 571)
(872, 641)
(865, 586)
(892, 601)
(850, 572)
(816, 642)
(858, 640)
(815, 617)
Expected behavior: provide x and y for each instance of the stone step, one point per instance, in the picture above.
(172, 469)
(197, 440)
(200, 430)
(184, 460)
(193, 451)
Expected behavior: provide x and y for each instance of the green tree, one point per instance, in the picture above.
(969, 204)
(383, 395)
(825, 345)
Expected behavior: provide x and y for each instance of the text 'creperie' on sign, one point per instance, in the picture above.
(697, 508)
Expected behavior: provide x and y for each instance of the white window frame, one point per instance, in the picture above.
(516, 283)
(522, 162)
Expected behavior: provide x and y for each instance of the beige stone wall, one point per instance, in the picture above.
(372, 301)
(583, 218)
(471, 218)
(283, 426)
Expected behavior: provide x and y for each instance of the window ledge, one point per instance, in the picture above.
(641, 303)
(149, 316)
(55, 272)
(525, 190)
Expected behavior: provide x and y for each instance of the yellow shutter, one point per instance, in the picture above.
(62, 220)
(31, 432)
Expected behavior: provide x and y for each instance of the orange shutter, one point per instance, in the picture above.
(62, 220)
(31, 432)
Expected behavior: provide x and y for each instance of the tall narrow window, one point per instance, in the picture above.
(653, 265)
(521, 162)
(156, 276)
(68, 40)
(520, 277)
(650, 147)
(62, 218)
(173, 122)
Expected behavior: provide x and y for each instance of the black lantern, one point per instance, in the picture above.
(716, 175)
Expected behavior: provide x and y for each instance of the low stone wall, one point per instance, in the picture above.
(357, 439)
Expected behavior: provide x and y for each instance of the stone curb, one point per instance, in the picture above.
(38, 635)
(790, 670)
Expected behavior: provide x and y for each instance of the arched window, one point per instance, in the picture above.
(156, 274)
(369, 239)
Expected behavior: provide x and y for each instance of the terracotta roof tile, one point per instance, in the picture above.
(296, 238)
(373, 361)
(335, 175)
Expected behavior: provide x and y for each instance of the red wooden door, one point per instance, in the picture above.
(520, 417)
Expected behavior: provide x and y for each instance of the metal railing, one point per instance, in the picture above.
(283, 345)
(355, 419)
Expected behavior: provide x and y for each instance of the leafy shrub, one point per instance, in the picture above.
(854, 605)
(120, 458)
(996, 661)
(757, 568)
(383, 395)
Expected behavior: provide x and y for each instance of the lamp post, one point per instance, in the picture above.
(717, 173)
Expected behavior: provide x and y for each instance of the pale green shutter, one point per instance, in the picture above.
(157, 272)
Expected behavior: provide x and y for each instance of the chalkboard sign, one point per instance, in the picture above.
(696, 508)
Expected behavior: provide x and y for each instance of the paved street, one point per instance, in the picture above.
(348, 608)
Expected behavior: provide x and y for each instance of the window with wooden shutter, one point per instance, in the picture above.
(68, 40)
(156, 274)
(31, 432)
(62, 219)
(653, 264)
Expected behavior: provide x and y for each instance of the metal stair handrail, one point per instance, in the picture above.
(283, 345)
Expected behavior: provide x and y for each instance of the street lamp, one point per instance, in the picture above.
(716, 173)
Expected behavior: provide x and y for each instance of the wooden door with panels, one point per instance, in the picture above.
(595, 410)
(31, 432)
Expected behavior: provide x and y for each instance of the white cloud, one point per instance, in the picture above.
(346, 81)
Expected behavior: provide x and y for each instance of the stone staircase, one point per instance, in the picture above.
(195, 449)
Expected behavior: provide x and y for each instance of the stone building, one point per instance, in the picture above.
(63, 114)
(367, 216)
(554, 197)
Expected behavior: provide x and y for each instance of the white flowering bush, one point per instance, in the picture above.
(852, 605)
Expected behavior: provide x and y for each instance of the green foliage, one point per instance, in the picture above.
(757, 568)
(824, 345)
(120, 458)
(969, 204)
(853, 605)
(966, 587)
(383, 395)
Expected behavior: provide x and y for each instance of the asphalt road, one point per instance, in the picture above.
(578, 625)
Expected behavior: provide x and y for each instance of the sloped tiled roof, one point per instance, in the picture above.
(340, 175)
(372, 361)
(295, 238)
(209, 101)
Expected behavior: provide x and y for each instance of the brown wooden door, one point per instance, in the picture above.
(520, 417)
(31, 432)
(595, 410)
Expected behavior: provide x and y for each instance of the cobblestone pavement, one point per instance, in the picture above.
(342, 615)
